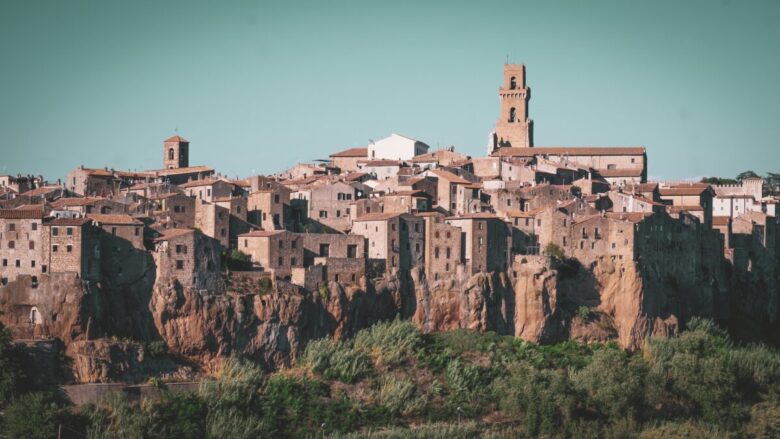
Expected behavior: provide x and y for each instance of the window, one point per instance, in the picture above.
(179, 264)
(280, 261)
(351, 251)
(32, 245)
(353, 277)
(54, 248)
(292, 261)
(393, 227)
(324, 250)
(323, 214)
(447, 266)
(55, 231)
(170, 154)
(137, 231)
(480, 225)
(436, 253)
(34, 226)
(222, 232)
(417, 228)
(564, 240)
(513, 83)
(69, 231)
(18, 263)
(5, 262)
(436, 235)
(392, 261)
(449, 235)
(449, 253)
(611, 166)
(294, 243)
(512, 114)
(338, 213)
(113, 231)
(281, 243)
(11, 227)
(181, 248)
(32, 264)
(336, 278)
(276, 199)
(69, 248)
(11, 244)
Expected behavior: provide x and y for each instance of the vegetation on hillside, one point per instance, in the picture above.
(391, 381)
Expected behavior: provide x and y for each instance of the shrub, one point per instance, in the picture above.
(336, 360)
(265, 285)
(177, 416)
(764, 421)
(239, 384)
(156, 349)
(400, 396)
(11, 367)
(237, 260)
(31, 416)
(390, 343)
(554, 251)
(687, 429)
(585, 313)
(613, 383)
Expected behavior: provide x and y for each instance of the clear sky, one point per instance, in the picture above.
(259, 85)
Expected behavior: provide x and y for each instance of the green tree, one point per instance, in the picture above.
(11, 370)
(747, 174)
(31, 416)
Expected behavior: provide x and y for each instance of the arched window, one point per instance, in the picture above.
(512, 115)
(513, 83)
(170, 154)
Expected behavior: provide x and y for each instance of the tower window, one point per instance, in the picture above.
(170, 154)
(513, 83)
(512, 114)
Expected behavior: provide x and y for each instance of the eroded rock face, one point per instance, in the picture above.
(538, 299)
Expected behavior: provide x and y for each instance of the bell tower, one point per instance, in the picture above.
(513, 128)
(176, 153)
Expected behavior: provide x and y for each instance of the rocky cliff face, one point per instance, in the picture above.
(539, 299)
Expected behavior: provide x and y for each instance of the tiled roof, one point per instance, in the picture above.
(173, 233)
(41, 191)
(380, 216)
(177, 138)
(179, 171)
(687, 190)
(721, 220)
(352, 176)
(514, 213)
(480, 215)
(449, 176)
(571, 151)
(114, 219)
(379, 162)
(21, 213)
(352, 152)
(678, 209)
(68, 222)
(203, 182)
(633, 217)
(74, 201)
(607, 173)
(261, 233)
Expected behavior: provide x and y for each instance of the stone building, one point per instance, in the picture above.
(21, 244)
(208, 189)
(268, 207)
(328, 203)
(694, 198)
(484, 241)
(347, 160)
(395, 238)
(123, 256)
(381, 169)
(71, 245)
(87, 205)
(438, 158)
(174, 211)
(396, 147)
(343, 256)
(628, 202)
(176, 153)
(442, 246)
(189, 258)
(213, 220)
(513, 127)
(179, 176)
(92, 182)
(454, 193)
(596, 158)
(278, 250)
(406, 201)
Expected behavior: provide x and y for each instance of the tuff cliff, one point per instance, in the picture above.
(105, 329)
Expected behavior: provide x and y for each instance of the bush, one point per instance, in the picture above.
(177, 416)
(391, 343)
(31, 416)
(400, 396)
(237, 260)
(12, 376)
(156, 349)
(554, 251)
(336, 360)
(265, 285)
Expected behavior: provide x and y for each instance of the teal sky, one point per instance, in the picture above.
(257, 86)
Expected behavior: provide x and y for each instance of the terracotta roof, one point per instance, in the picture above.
(261, 233)
(114, 219)
(379, 162)
(173, 233)
(352, 176)
(188, 170)
(683, 190)
(68, 222)
(514, 213)
(21, 213)
(241, 183)
(41, 191)
(738, 196)
(449, 176)
(633, 217)
(481, 215)
(607, 173)
(721, 220)
(678, 209)
(202, 182)
(177, 138)
(571, 151)
(380, 216)
(352, 152)
(75, 201)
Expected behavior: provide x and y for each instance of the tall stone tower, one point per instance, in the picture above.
(513, 128)
(176, 153)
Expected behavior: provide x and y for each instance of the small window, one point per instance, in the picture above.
(179, 264)
(280, 261)
(69, 231)
(11, 244)
(34, 226)
(54, 248)
(69, 248)
(292, 261)
(18, 263)
(11, 227)
(113, 231)
(281, 244)
(55, 231)
(32, 245)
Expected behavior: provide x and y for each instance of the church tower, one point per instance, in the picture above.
(513, 128)
(176, 153)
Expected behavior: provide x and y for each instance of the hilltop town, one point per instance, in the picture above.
(517, 241)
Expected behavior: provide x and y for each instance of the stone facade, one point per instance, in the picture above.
(176, 153)
(189, 258)
(484, 242)
(20, 243)
(278, 250)
(71, 246)
(443, 247)
(513, 128)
